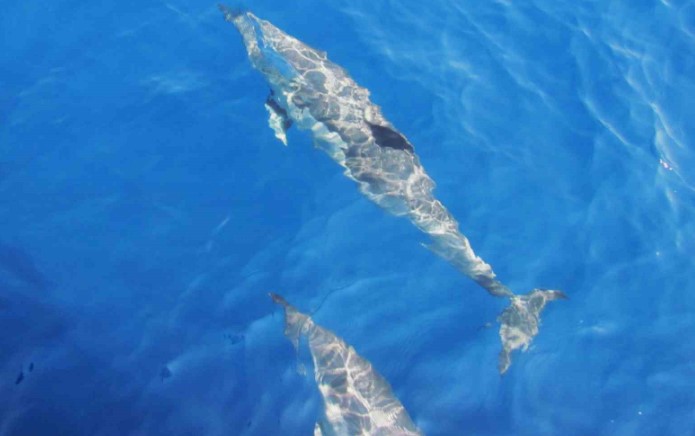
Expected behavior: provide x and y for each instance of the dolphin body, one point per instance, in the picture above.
(357, 400)
(317, 95)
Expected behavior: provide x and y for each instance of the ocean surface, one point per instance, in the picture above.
(146, 211)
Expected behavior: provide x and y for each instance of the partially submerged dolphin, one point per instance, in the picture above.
(357, 400)
(317, 95)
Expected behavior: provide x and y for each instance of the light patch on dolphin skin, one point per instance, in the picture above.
(357, 399)
(321, 97)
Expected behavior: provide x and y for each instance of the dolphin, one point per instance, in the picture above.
(357, 400)
(317, 95)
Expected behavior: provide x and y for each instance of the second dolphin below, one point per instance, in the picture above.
(357, 400)
(317, 95)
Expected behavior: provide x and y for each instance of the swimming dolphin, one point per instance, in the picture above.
(320, 96)
(357, 400)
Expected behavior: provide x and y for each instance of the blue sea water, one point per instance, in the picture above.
(147, 210)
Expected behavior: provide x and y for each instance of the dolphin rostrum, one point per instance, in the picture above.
(357, 400)
(317, 95)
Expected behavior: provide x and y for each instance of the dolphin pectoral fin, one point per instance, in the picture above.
(278, 119)
(520, 321)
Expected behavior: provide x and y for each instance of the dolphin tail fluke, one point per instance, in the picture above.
(520, 321)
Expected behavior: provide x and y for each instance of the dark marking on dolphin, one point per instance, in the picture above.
(387, 137)
(20, 377)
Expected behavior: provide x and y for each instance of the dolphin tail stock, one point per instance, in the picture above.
(519, 323)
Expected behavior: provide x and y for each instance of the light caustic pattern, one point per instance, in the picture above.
(357, 400)
(320, 96)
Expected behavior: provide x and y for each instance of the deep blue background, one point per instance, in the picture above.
(146, 211)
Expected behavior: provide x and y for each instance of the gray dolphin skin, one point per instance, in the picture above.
(357, 400)
(317, 95)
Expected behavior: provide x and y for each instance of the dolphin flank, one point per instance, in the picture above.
(317, 95)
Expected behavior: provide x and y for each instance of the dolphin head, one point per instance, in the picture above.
(266, 45)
